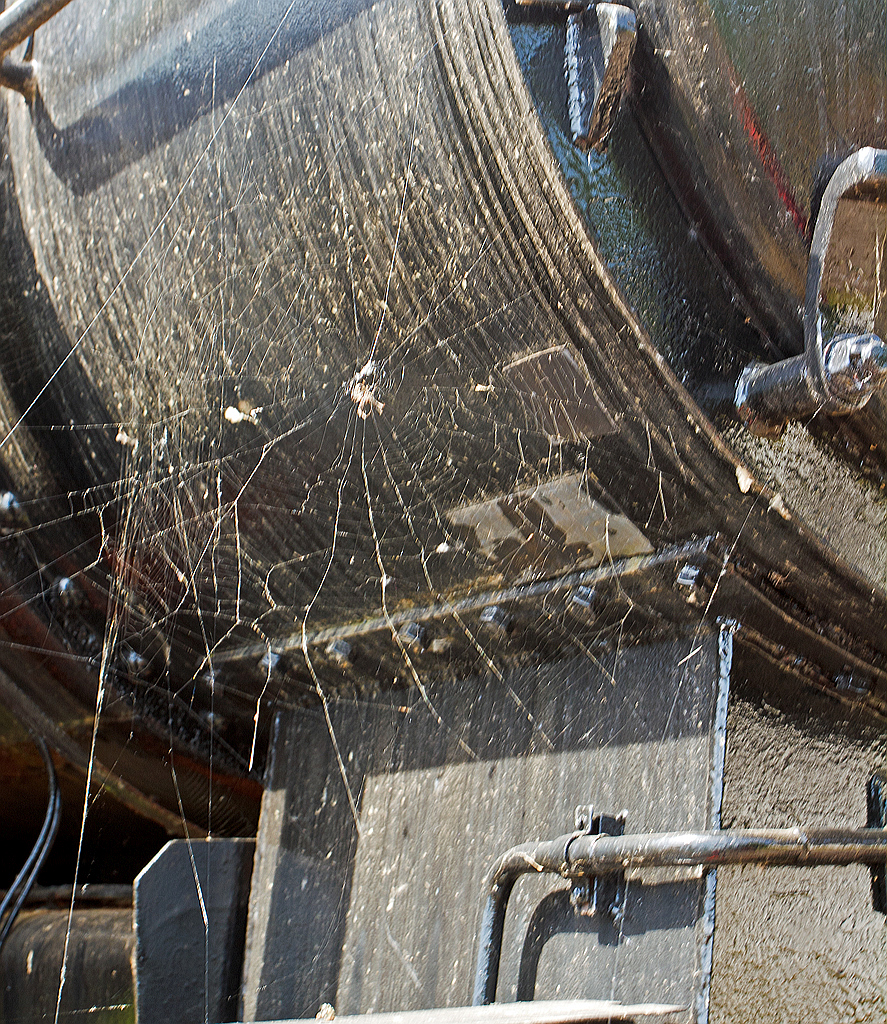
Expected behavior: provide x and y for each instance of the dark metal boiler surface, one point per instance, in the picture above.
(332, 373)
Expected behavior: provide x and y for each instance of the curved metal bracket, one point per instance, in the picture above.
(599, 45)
(838, 376)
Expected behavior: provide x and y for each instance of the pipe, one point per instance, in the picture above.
(18, 75)
(23, 19)
(578, 855)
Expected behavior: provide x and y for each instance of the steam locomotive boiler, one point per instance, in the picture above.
(429, 429)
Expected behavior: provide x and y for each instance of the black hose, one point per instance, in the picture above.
(24, 880)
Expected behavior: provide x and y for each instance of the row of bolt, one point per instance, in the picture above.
(493, 619)
(414, 637)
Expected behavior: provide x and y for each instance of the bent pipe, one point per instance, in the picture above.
(578, 854)
(865, 166)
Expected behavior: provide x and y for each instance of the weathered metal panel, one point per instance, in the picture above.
(390, 873)
(190, 919)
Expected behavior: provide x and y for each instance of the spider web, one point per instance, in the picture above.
(299, 442)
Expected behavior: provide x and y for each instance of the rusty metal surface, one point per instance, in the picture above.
(295, 440)
(99, 981)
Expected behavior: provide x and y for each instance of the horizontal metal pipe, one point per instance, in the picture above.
(23, 19)
(591, 855)
(577, 855)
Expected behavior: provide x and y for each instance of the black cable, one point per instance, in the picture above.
(18, 891)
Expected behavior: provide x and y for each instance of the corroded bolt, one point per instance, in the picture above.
(341, 652)
(413, 635)
(496, 619)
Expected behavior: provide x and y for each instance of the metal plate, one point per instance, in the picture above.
(381, 885)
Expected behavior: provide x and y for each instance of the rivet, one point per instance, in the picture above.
(495, 618)
(341, 652)
(413, 635)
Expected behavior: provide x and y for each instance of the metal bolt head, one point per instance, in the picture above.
(68, 593)
(8, 503)
(582, 897)
(340, 652)
(11, 514)
(849, 682)
(269, 661)
(584, 597)
(134, 662)
(414, 636)
(214, 720)
(688, 576)
(617, 908)
(495, 619)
